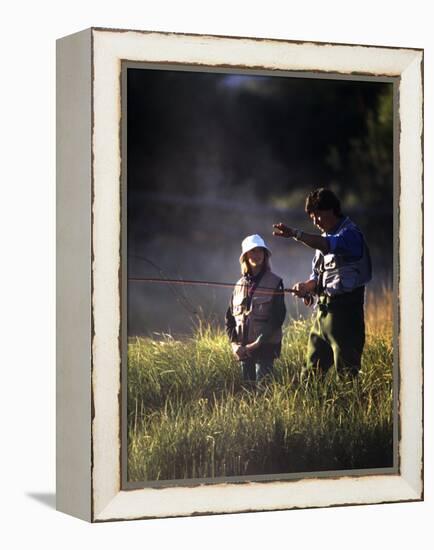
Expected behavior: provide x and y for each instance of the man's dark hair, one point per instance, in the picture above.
(323, 199)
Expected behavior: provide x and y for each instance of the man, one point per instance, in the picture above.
(341, 268)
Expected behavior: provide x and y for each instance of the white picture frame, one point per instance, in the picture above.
(89, 273)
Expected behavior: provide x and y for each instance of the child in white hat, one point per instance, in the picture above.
(256, 312)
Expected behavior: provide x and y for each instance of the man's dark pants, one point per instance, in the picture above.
(338, 334)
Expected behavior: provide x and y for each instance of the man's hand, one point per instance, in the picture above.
(317, 242)
(239, 351)
(281, 230)
(300, 289)
(305, 291)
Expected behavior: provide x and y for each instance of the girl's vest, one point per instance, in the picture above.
(338, 275)
(250, 322)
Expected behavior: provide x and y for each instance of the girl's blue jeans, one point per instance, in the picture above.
(254, 370)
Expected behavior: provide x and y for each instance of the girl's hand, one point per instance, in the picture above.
(281, 230)
(254, 345)
(238, 350)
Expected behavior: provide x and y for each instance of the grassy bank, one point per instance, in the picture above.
(189, 415)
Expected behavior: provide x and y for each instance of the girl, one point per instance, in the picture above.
(256, 312)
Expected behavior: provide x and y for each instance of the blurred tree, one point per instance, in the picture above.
(199, 142)
(368, 162)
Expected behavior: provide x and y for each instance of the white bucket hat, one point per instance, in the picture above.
(251, 242)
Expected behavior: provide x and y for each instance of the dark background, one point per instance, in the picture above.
(212, 158)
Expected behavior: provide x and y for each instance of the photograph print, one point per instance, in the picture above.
(260, 288)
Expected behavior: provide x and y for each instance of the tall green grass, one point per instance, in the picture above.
(189, 415)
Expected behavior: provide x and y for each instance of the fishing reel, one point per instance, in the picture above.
(308, 299)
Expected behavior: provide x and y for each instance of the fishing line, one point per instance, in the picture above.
(182, 299)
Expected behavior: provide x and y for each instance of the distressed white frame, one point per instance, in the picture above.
(108, 49)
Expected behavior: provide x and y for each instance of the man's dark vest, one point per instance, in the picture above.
(338, 275)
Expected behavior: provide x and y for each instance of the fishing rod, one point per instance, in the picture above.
(261, 290)
(186, 303)
(181, 298)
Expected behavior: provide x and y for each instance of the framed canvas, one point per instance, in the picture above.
(171, 149)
